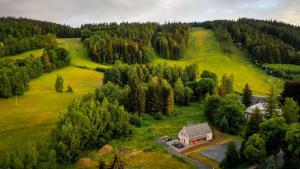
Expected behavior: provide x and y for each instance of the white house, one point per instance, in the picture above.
(195, 134)
(262, 107)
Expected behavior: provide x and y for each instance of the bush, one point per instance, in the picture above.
(135, 120)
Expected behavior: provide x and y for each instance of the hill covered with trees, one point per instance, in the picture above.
(134, 42)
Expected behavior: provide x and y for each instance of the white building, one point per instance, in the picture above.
(262, 107)
(195, 134)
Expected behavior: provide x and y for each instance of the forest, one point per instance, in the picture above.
(135, 42)
(15, 74)
(265, 41)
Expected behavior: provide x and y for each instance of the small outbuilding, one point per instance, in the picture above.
(195, 134)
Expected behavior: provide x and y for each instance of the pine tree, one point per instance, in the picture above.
(247, 95)
(272, 104)
(167, 97)
(255, 120)
(136, 96)
(290, 111)
(154, 98)
(232, 158)
(46, 62)
(5, 87)
(59, 84)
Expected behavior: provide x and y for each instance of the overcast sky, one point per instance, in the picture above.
(77, 12)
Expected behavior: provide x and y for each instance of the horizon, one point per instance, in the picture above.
(76, 13)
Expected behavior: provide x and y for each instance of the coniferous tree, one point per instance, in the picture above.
(232, 158)
(272, 104)
(5, 87)
(247, 95)
(290, 111)
(154, 96)
(46, 62)
(59, 84)
(253, 125)
(136, 96)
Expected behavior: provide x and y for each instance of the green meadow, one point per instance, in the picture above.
(203, 49)
(30, 117)
(35, 53)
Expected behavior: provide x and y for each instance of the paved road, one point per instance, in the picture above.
(218, 152)
(184, 157)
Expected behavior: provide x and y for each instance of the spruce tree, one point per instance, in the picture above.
(255, 120)
(272, 104)
(59, 84)
(290, 111)
(5, 87)
(232, 158)
(247, 95)
(136, 96)
(46, 62)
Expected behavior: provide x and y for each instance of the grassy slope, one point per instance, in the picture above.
(35, 53)
(204, 50)
(36, 111)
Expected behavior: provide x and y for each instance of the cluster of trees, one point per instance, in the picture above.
(32, 156)
(89, 123)
(12, 46)
(15, 74)
(171, 39)
(264, 43)
(266, 137)
(292, 90)
(227, 112)
(133, 42)
(19, 35)
(11, 27)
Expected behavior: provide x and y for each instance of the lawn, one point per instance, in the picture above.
(204, 50)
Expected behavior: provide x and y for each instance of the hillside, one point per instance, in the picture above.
(31, 116)
(204, 50)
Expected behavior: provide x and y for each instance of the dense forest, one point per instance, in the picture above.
(134, 42)
(19, 35)
(15, 74)
(265, 41)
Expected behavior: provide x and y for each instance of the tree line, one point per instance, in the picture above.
(264, 43)
(11, 27)
(134, 42)
(15, 74)
(13, 46)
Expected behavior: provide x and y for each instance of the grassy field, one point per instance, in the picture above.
(204, 50)
(36, 53)
(31, 116)
(79, 53)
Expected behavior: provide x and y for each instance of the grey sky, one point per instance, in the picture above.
(77, 12)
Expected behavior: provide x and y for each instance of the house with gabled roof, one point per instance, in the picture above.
(195, 134)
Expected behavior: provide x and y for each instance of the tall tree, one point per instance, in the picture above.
(232, 157)
(59, 84)
(136, 95)
(292, 153)
(255, 120)
(5, 87)
(255, 150)
(273, 132)
(247, 95)
(272, 104)
(290, 111)
(46, 62)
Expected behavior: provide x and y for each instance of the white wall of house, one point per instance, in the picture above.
(182, 136)
(209, 136)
